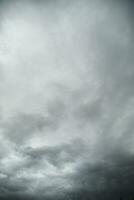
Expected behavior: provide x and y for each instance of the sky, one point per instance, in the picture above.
(66, 99)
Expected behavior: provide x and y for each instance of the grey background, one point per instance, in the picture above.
(66, 99)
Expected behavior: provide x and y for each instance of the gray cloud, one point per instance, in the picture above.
(66, 99)
(53, 166)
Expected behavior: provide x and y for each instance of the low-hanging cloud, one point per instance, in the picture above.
(66, 99)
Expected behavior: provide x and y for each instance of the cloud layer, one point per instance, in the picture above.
(66, 99)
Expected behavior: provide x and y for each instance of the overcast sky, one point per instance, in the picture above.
(66, 99)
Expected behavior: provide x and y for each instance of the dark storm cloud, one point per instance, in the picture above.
(112, 178)
(17, 181)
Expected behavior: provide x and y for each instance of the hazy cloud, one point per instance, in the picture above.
(66, 99)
